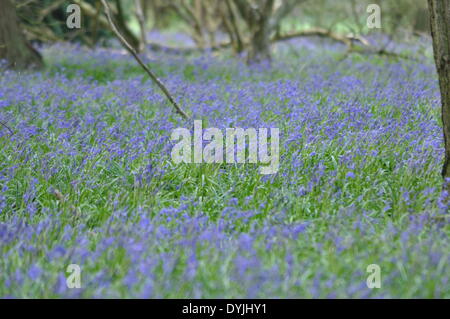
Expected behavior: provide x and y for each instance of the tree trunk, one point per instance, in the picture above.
(14, 47)
(440, 31)
(259, 50)
(258, 19)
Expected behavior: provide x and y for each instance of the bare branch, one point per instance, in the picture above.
(314, 32)
(141, 63)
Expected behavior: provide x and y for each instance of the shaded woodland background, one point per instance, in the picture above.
(245, 27)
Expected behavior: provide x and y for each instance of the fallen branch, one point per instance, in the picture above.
(141, 63)
(348, 40)
(186, 50)
(318, 32)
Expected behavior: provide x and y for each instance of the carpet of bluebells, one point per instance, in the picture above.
(86, 177)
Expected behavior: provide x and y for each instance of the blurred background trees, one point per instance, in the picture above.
(247, 27)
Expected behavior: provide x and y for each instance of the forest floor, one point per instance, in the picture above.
(86, 178)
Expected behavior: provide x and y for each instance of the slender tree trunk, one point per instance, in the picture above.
(440, 31)
(14, 47)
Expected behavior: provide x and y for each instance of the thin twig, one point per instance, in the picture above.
(141, 63)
